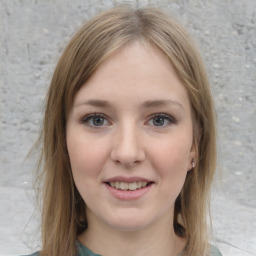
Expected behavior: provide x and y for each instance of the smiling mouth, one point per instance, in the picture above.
(129, 185)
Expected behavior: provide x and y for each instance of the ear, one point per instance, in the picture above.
(192, 160)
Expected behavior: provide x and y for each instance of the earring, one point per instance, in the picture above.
(193, 163)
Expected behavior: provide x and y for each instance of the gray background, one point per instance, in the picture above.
(33, 34)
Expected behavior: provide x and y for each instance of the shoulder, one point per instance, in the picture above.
(214, 251)
(81, 251)
(84, 251)
(33, 254)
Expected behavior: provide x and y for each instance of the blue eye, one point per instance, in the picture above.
(95, 120)
(162, 120)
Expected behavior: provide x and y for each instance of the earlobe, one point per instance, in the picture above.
(193, 162)
(193, 152)
(192, 158)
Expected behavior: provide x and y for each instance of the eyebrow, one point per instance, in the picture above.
(96, 103)
(146, 104)
(161, 103)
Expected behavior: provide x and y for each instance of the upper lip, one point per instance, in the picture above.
(127, 179)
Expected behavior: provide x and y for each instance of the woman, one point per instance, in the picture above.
(129, 145)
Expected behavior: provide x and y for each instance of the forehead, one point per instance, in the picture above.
(137, 72)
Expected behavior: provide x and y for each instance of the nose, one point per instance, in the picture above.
(127, 149)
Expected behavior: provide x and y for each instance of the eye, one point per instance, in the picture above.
(95, 120)
(161, 120)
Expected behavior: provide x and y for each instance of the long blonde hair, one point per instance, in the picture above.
(63, 210)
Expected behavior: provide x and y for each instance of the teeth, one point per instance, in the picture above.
(128, 186)
(117, 184)
(139, 184)
(124, 185)
(133, 186)
(144, 184)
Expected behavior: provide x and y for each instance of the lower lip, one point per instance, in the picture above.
(128, 194)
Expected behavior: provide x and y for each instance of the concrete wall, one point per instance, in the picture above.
(33, 34)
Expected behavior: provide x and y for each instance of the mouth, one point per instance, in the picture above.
(128, 186)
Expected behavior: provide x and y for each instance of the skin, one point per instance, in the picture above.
(129, 142)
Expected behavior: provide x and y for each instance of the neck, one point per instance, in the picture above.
(157, 239)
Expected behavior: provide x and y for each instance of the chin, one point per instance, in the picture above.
(128, 227)
(130, 223)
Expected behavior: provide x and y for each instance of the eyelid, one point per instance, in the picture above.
(164, 115)
(170, 118)
(85, 120)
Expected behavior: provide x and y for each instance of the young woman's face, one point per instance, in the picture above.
(130, 139)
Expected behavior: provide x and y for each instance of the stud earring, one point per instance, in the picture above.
(193, 163)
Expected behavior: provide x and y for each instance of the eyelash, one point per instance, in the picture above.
(90, 117)
(170, 119)
(86, 120)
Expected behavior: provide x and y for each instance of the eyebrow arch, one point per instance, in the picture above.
(96, 103)
(146, 104)
(161, 103)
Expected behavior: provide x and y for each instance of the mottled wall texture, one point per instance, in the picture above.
(33, 34)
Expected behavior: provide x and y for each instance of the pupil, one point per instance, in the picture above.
(158, 121)
(97, 121)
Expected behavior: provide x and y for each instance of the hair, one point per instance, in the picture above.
(63, 210)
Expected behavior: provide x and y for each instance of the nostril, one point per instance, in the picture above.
(127, 151)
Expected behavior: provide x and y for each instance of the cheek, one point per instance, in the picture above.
(86, 156)
(171, 159)
(87, 159)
